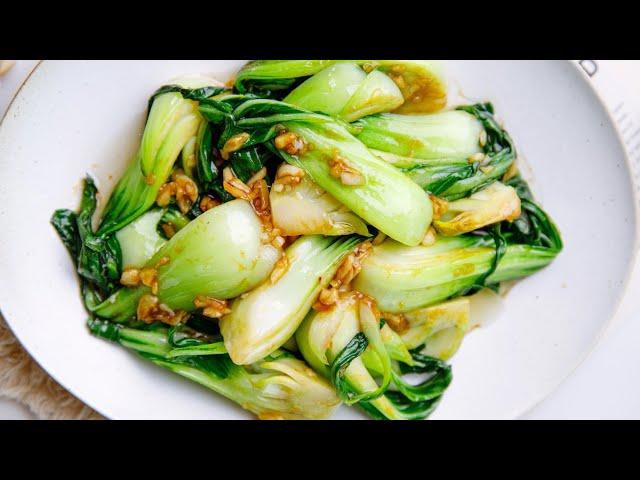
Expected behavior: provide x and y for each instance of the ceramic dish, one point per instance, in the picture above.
(70, 118)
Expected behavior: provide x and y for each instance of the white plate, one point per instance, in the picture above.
(75, 117)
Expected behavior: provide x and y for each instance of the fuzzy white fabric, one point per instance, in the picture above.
(22, 379)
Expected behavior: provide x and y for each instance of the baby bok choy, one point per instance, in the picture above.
(217, 256)
(402, 279)
(346, 87)
(341, 165)
(366, 362)
(344, 90)
(276, 387)
(265, 318)
(495, 203)
(450, 154)
(438, 330)
(173, 121)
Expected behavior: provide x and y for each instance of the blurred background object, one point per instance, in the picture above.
(5, 66)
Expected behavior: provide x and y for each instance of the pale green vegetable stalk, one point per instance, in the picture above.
(450, 154)
(172, 123)
(376, 192)
(340, 164)
(347, 344)
(439, 328)
(322, 337)
(402, 279)
(220, 254)
(344, 90)
(329, 90)
(140, 240)
(277, 387)
(377, 93)
(447, 135)
(492, 204)
(264, 319)
(306, 209)
(188, 156)
(422, 83)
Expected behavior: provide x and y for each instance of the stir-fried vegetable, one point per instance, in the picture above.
(492, 204)
(172, 122)
(439, 136)
(97, 259)
(402, 278)
(451, 154)
(300, 207)
(232, 250)
(267, 317)
(420, 82)
(341, 165)
(140, 239)
(277, 386)
(220, 255)
(347, 345)
(439, 328)
(346, 91)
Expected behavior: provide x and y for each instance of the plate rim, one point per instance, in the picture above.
(606, 327)
(597, 339)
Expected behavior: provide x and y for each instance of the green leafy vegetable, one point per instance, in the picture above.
(306, 209)
(66, 224)
(220, 254)
(368, 186)
(451, 154)
(169, 128)
(367, 151)
(279, 386)
(172, 122)
(420, 82)
(492, 204)
(98, 259)
(439, 328)
(267, 317)
(336, 342)
(533, 226)
(344, 90)
(402, 279)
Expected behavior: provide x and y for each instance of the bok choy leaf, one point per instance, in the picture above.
(277, 387)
